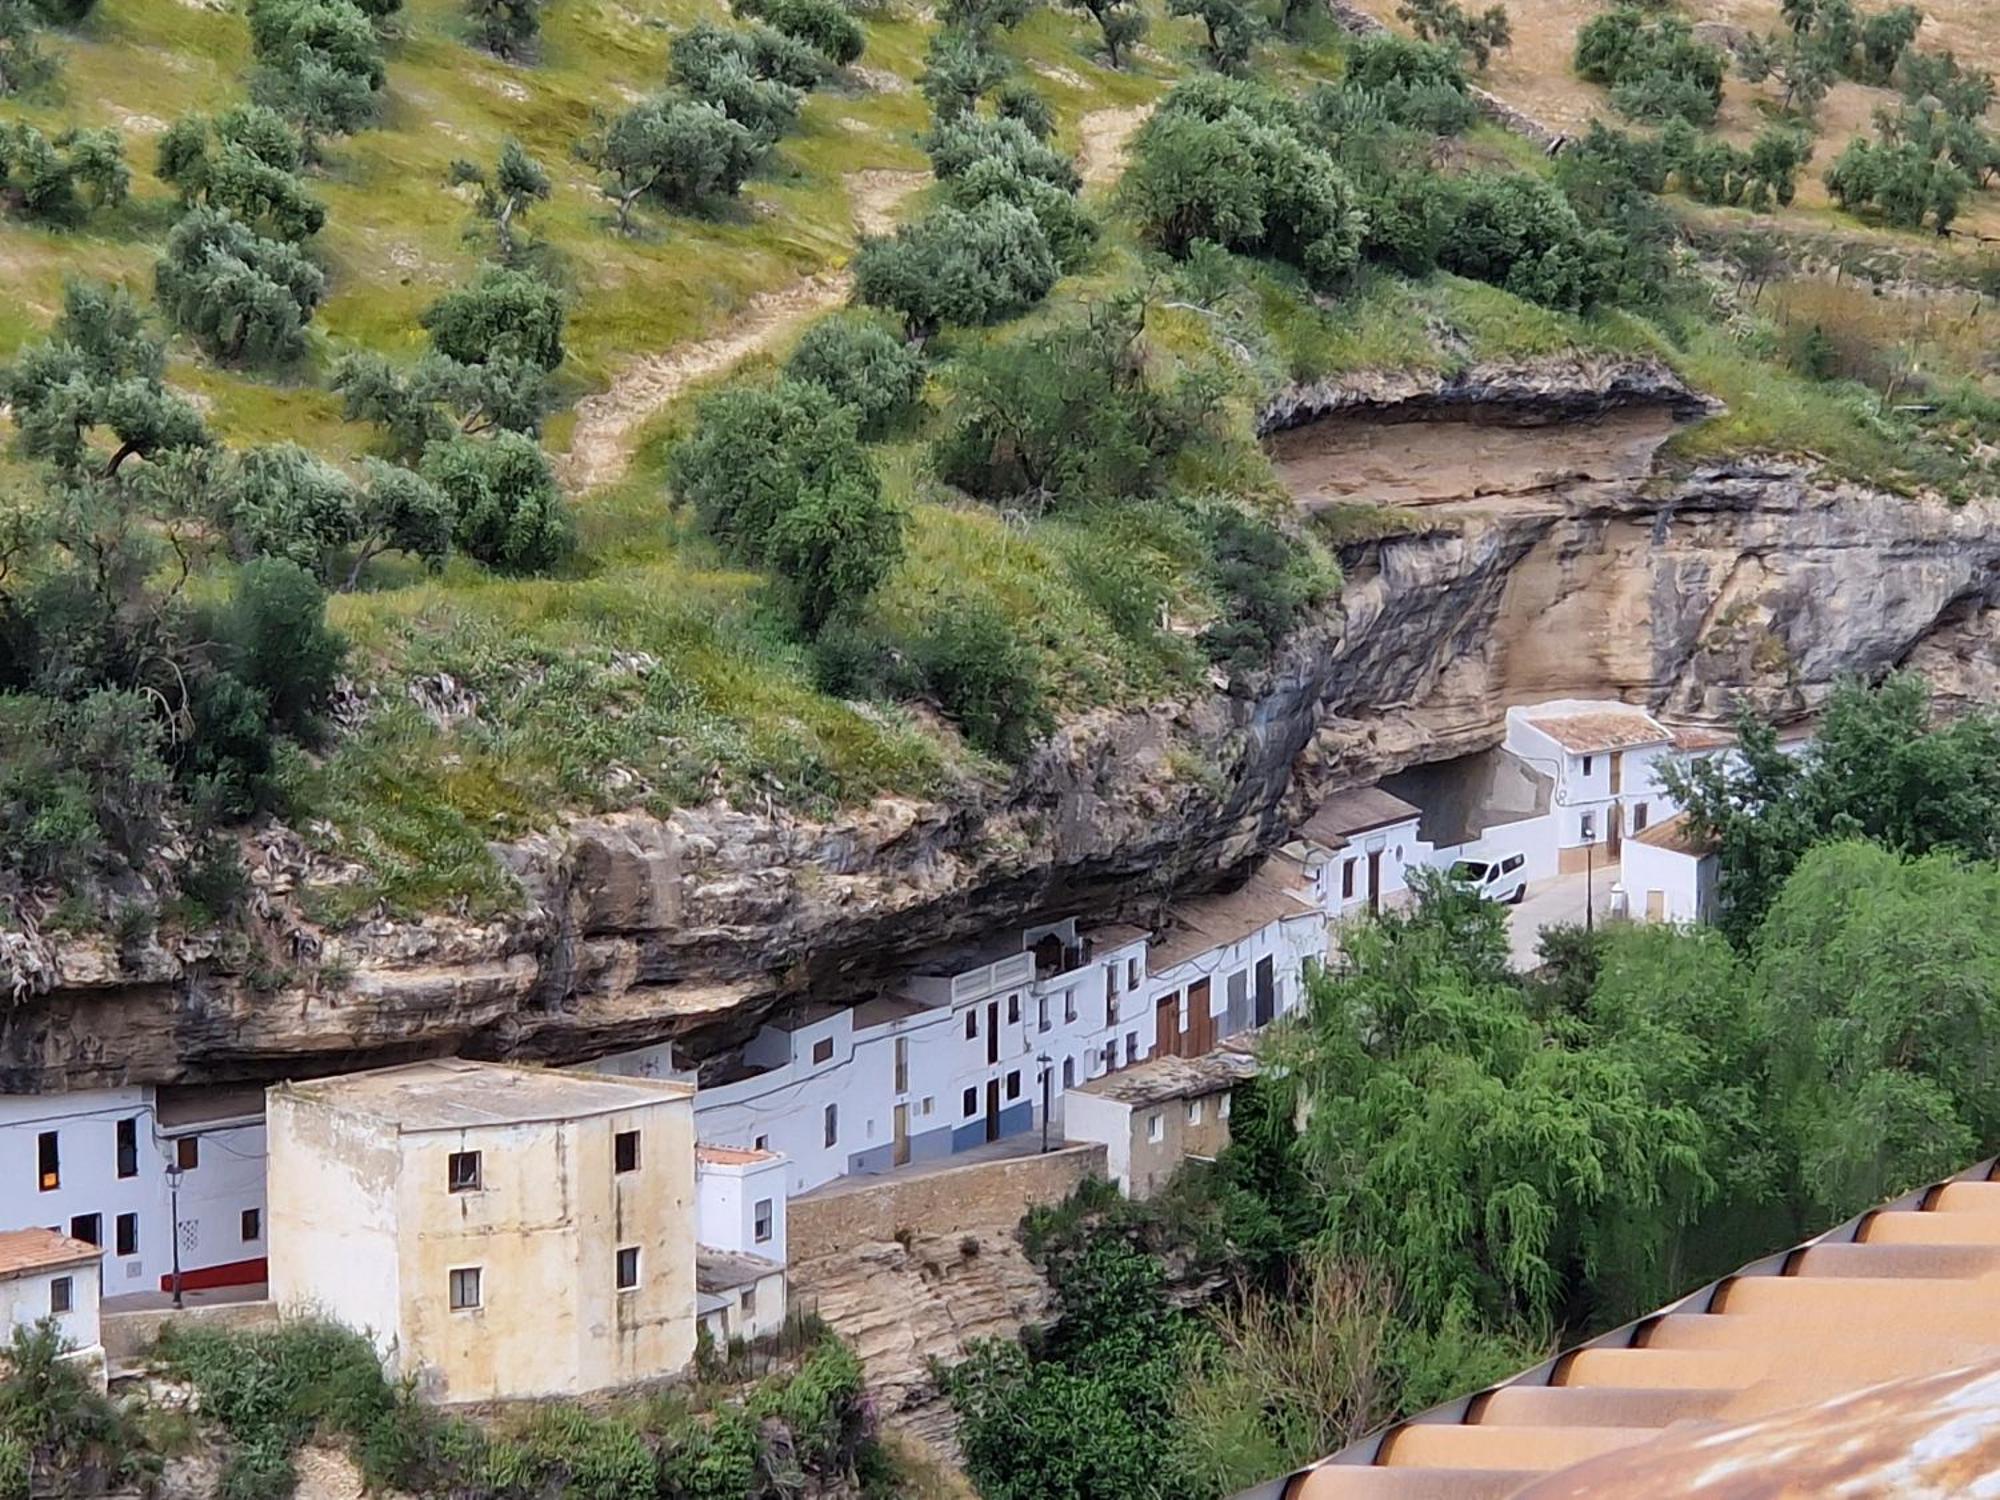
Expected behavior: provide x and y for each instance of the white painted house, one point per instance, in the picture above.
(46, 1275)
(1604, 760)
(1360, 845)
(121, 1168)
(1667, 875)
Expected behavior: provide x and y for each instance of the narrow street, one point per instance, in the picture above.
(1552, 902)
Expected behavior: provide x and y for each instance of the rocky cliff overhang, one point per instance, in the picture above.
(1755, 579)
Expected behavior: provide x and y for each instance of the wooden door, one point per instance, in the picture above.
(900, 1154)
(1200, 1034)
(1617, 771)
(1374, 879)
(1615, 827)
(1167, 1026)
(1267, 993)
(992, 1109)
(1656, 906)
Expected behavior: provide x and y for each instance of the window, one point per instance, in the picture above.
(1588, 828)
(1042, 1014)
(1222, 1109)
(1131, 973)
(902, 1065)
(1111, 979)
(87, 1227)
(62, 1295)
(971, 1103)
(465, 1289)
(1639, 817)
(1014, 1085)
(625, 1151)
(749, 1303)
(127, 1231)
(1586, 764)
(972, 1025)
(928, 1106)
(1156, 1126)
(1013, 1010)
(823, 1050)
(832, 1124)
(628, 1268)
(463, 1172)
(253, 1225)
(760, 1221)
(1347, 880)
(762, 1143)
(1512, 863)
(1131, 1047)
(1069, 1005)
(1110, 1057)
(187, 1152)
(1069, 1072)
(48, 1164)
(1194, 1111)
(128, 1148)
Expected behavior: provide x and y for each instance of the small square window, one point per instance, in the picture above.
(465, 1289)
(625, 1151)
(253, 1225)
(187, 1152)
(823, 1050)
(62, 1295)
(127, 1231)
(1014, 1085)
(87, 1227)
(463, 1171)
(628, 1268)
(971, 1025)
(971, 1103)
(760, 1221)
(762, 1143)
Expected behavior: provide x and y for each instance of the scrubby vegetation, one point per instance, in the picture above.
(1490, 1165)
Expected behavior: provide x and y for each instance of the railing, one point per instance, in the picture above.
(1015, 969)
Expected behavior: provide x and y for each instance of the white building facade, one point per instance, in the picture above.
(49, 1276)
(134, 1169)
(1667, 877)
(1604, 759)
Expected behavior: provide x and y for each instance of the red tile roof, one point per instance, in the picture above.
(23, 1251)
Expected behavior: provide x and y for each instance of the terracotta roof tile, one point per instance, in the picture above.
(732, 1156)
(23, 1251)
(1601, 729)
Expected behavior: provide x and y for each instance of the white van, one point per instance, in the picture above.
(1495, 879)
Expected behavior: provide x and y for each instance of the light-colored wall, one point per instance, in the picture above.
(728, 1195)
(213, 1196)
(26, 1299)
(1400, 848)
(1107, 1123)
(544, 1229)
(332, 1213)
(1686, 884)
(1181, 1136)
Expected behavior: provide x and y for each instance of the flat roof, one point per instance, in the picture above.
(1610, 726)
(1192, 927)
(1359, 809)
(718, 1271)
(1774, 1381)
(885, 1010)
(1166, 1078)
(25, 1251)
(457, 1094)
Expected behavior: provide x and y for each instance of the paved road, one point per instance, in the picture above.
(1552, 902)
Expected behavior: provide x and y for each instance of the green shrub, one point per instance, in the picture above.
(860, 362)
(506, 28)
(280, 643)
(986, 678)
(59, 181)
(958, 266)
(821, 24)
(684, 152)
(1656, 70)
(502, 313)
(740, 76)
(956, 147)
(239, 295)
(510, 515)
(247, 161)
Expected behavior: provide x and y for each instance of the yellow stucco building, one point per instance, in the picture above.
(501, 1232)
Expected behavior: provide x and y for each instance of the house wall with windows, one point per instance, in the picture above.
(1152, 1118)
(1666, 877)
(740, 1200)
(50, 1275)
(93, 1164)
(1604, 758)
(504, 1233)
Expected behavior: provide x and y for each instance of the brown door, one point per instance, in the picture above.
(993, 1032)
(900, 1154)
(1615, 826)
(992, 1109)
(1374, 879)
(1200, 1034)
(1656, 906)
(1167, 1026)
(1617, 771)
(1267, 993)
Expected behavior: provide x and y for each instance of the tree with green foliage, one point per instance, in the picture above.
(1803, 70)
(1230, 29)
(1121, 24)
(1655, 69)
(959, 69)
(955, 148)
(861, 363)
(958, 266)
(506, 28)
(516, 183)
(239, 295)
(1451, 24)
(53, 1424)
(320, 64)
(23, 64)
(99, 372)
(778, 476)
(1877, 768)
(59, 181)
(509, 513)
(503, 313)
(1067, 224)
(439, 396)
(986, 678)
(753, 76)
(246, 160)
(823, 25)
(683, 152)
(280, 642)
(979, 19)
(281, 501)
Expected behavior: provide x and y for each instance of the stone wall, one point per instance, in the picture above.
(128, 1335)
(979, 1194)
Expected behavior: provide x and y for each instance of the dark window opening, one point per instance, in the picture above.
(187, 1152)
(128, 1148)
(48, 1161)
(127, 1233)
(465, 1289)
(628, 1268)
(823, 1050)
(463, 1173)
(253, 1225)
(625, 1151)
(87, 1227)
(62, 1295)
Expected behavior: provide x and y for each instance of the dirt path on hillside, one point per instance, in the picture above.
(608, 424)
(1105, 134)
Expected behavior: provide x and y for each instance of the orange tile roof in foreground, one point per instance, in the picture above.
(1866, 1361)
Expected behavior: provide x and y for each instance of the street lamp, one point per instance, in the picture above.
(174, 1207)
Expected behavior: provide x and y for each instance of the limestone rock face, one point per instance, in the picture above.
(1757, 578)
